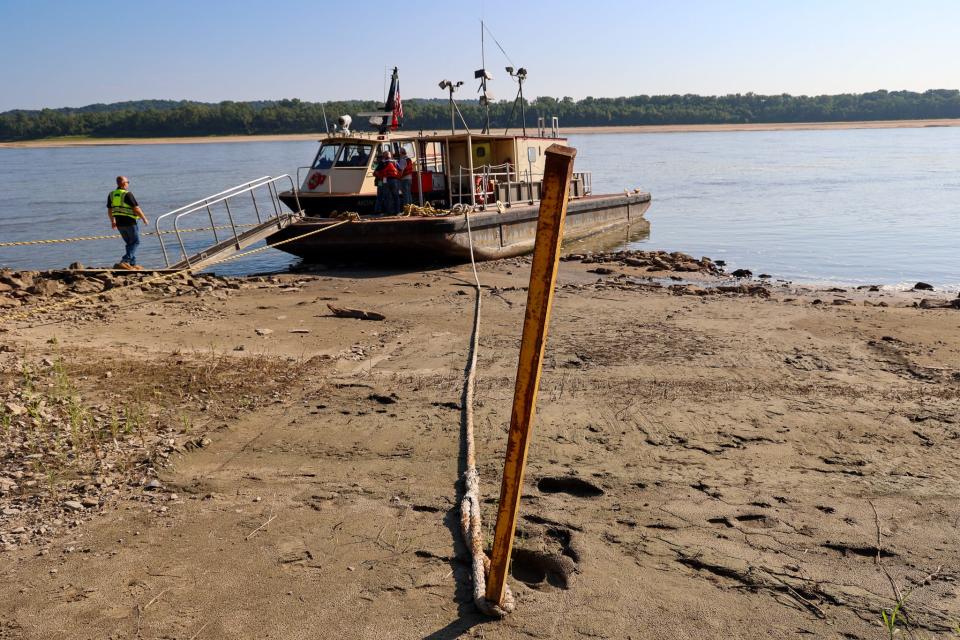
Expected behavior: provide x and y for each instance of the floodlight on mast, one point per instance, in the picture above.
(519, 76)
(451, 86)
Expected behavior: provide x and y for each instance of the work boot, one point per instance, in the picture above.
(126, 265)
(136, 267)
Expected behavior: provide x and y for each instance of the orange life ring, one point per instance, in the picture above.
(481, 193)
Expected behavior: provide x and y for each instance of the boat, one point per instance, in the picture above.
(494, 179)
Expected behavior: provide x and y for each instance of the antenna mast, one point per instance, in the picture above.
(484, 76)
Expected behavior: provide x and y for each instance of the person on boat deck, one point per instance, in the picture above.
(405, 164)
(124, 211)
(381, 185)
(389, 176)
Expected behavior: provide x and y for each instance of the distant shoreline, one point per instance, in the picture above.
(667, 128)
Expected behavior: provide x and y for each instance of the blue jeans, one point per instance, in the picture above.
(381, 206)
(393, 196)
(406, 195)
(131, 236)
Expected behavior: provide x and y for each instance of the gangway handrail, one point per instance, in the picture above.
(203, 200)
(224, 197)
(156, 222)
(271, 188)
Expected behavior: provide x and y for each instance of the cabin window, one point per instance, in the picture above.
(394, 149)
(326, 156)
(432, 158)
(354, 155)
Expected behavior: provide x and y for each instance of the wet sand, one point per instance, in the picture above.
(769, 463)
(678, 128)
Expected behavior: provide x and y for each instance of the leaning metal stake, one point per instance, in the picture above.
(543, 275)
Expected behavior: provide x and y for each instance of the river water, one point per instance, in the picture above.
(858, 206)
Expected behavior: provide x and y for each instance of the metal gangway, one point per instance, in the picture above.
(247, 224)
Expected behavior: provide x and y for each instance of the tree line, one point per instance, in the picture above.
(166, 118)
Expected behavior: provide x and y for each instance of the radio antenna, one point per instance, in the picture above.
(483, 76)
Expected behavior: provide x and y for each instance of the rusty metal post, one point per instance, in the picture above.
(543, 276)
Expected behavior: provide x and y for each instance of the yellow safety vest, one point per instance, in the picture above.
(118, 204)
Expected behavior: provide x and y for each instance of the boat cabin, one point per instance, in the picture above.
(462, 168)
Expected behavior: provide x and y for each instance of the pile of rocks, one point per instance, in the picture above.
(651, 261)
(758, 290)
(24, 288)
(18, 287)
(928, 303)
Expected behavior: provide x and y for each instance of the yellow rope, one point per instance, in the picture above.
(148, 233)
(26, 313)
(426, 211)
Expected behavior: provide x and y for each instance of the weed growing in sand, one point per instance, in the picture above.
(26, 375)
(891, 616)
(186, 425)
(64, 422)
(52, 480)
(77, 418)
(114, 426)
(63, 387)
(37, 432)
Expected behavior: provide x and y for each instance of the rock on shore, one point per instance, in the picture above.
(651, 261)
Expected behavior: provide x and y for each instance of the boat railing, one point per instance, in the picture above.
(502, 184)
(240, 214)
(554, 129)
(485, 188)
(582, 184)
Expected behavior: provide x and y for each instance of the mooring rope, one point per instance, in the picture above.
(25, 243)
(470, 521)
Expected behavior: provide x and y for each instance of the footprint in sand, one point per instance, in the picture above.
(569, 485)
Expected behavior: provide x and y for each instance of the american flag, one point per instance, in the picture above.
(397, 109)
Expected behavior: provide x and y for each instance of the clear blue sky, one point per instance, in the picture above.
(59, 53)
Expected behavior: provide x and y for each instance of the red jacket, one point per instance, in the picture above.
(389, 170)
(407, 169)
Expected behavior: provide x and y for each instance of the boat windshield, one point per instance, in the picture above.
(326, 156)
(354, 155)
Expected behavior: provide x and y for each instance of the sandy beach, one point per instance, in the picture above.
(769, 460)
(673, 128)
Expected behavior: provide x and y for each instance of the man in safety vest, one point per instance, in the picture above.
(123, 211)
